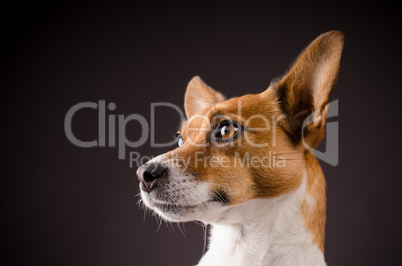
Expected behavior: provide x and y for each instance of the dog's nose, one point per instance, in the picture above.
(149, 173)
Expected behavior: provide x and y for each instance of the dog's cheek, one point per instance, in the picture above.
(233, 186)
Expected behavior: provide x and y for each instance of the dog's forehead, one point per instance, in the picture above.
(237, 108)
(250, 104)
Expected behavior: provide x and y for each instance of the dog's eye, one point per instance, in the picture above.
(179, 141)
(226, 131)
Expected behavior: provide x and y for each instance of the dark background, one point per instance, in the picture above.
(65, 205)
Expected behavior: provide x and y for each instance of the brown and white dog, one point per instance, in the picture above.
(243, 166)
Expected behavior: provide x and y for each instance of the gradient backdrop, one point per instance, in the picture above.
(65, 205)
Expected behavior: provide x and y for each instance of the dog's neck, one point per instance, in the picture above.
(265, 232)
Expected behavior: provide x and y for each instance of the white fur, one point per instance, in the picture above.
(263, 232)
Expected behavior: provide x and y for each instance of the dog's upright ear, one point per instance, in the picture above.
(306, 88)
(199, 96)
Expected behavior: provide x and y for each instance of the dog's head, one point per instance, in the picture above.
(232, 151)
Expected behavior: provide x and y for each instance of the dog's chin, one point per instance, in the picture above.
(179, 212)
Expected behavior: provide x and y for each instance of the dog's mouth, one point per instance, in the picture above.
(176, 212)
(174, 208)
(179, 201)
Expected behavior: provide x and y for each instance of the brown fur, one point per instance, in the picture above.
(315, 215)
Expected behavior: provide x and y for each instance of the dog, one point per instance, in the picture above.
(245, 165)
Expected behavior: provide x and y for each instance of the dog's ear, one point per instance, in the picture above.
(306, 88)
(199, 96)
